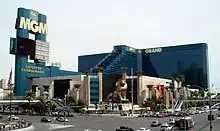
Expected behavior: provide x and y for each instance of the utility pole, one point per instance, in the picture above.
(132, 92)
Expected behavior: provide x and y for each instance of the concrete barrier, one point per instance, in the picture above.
(30, 128)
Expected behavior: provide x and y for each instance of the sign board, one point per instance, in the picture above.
(42, 50)
(153, 50)
(33, 25)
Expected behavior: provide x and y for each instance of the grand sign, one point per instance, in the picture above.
(153, 50)
(33, 25)
(32, 69)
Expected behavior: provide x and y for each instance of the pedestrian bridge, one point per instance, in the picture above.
(17, 101)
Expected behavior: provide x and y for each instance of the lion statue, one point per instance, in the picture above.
(121, 89)
(120, 92)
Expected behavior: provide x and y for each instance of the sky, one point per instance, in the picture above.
(80, 27)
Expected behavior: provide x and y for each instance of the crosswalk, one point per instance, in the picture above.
(50, 127)
(58, 126)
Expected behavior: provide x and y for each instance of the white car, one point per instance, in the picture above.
(143, 129)
(171, 121)
(61, 119)
(166, 127)
(13, 117)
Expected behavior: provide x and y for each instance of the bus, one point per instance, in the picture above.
(186, 123)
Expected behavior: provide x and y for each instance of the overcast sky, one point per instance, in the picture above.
(78, 27)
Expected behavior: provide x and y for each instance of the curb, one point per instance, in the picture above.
(30, 128)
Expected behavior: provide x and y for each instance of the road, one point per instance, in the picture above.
(79, 123)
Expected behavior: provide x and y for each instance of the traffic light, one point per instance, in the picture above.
(106, 107)
(96, 106)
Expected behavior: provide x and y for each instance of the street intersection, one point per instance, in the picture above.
(110, 123)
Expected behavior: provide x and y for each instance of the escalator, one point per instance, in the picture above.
(178, 106)
(57, 103)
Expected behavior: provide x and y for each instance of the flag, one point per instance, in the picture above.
(10, 80)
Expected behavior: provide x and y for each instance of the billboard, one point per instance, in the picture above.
(42, 50)
(31, 23)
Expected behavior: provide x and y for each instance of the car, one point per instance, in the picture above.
(160, 115)
(124, 128)
(143, 129)
(218, 117)
(166, 127)
(155, 124)
(61, 119)
(177, 123)
(44, 119)
(13, 117)
(171, 121)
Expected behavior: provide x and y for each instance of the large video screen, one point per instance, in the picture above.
(25, 47)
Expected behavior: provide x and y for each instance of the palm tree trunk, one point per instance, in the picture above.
(29, 102)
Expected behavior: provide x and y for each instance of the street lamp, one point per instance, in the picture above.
(65, 109)
(132, 92)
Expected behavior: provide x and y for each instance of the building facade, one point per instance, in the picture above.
(163, 62)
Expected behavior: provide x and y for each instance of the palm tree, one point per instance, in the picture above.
(29, 96)
(49, 105)
(124, 69)
(77, 86)
(139, 72)
(182, 79)
(71, 101)
(86, 72)
(99, 68)
(178, 82)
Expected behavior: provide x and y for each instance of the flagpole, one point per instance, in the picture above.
(10, 94)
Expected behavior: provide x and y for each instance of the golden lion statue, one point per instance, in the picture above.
(120, 93)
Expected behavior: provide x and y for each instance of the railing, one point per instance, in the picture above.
(13, 98)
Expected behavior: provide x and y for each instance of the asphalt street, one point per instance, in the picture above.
(95, 123)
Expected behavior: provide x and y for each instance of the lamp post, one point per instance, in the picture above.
(65, 109)
(132, 92)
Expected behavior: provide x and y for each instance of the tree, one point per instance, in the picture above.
(178, 82)
(29, 96)
(71, 101)
(182, 79)
(99, 68)
(81, 103)
(139, 72)
(124, 69)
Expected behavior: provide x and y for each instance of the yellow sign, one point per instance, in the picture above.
(153, 50)
(33, 25)
(33, 69)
